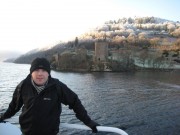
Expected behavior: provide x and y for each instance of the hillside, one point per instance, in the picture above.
(9, 56)
(123, 44)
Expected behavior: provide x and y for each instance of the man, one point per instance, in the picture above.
(41, 97)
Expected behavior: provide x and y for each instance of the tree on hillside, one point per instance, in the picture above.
(118, 39)
(177, 43)
(171, 27)
(132, 38)
(176, 32)
(76, 42)
(130, 20)
(154, 41)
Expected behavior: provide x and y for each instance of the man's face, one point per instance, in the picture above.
(40, 76)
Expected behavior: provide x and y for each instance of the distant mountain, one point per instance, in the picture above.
(4, 55)
(39, 50)
(47, 52)
(11, 60)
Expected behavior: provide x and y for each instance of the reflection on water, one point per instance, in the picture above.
(146, 103)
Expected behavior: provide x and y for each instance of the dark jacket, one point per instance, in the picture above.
(41, 112)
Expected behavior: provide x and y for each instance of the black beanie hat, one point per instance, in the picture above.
(40, 63)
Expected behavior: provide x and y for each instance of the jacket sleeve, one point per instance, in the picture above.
(68, 97)
(14, 106)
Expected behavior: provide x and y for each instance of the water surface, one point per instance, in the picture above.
(146, 103)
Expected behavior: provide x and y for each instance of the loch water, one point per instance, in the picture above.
(145, 103)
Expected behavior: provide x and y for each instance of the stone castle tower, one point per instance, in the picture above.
(101, 51)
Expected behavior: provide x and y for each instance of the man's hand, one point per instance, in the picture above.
(93, 125)
(1, 118)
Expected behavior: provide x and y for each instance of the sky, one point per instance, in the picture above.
(30, 24)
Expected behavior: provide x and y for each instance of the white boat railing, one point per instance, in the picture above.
(99, 128)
